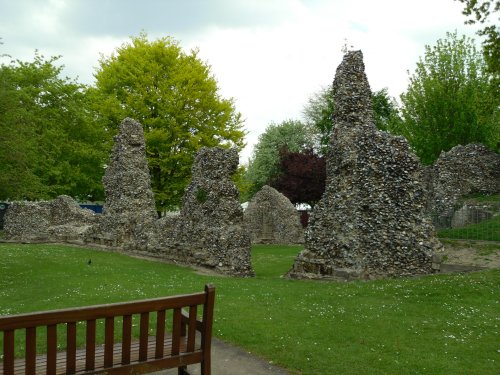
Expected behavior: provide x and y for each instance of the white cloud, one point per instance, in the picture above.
(270, 56)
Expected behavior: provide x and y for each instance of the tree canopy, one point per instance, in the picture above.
(449, 100)
(264, 163)
(479, 11)
(49, 144)
(301, 177)
(176, 98)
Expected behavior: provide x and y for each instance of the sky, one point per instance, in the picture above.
(270, 56)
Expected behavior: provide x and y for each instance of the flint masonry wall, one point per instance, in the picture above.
(209, 231)
(272, 218)
(61, 219)
(371, 221)
(129, 207)
(460, 172)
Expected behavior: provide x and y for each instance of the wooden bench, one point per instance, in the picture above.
(186, 341)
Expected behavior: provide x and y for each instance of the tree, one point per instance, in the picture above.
(385, 110)
(49, 144)
(318, 114)
(264, 163)
(302, 176)
(449, 100)
(176, 99)
(480, 11)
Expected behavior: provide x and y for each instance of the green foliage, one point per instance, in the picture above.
(264, 164)
(385, 110)
(442, 324)
(49, 144)
(319, 109)
(176, 99)
(487, 230)
(480, 11)
(318, 114)
(449, 101)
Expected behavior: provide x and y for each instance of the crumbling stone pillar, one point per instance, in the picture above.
(371, 221)
(129, 210)
(209, 231)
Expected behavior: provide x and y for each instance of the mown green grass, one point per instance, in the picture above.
(443, 324)
(487, 230)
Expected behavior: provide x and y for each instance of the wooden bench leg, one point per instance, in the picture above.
(182, 370)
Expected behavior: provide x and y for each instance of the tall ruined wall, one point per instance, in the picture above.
(209, 231)
(371, 220)
(271, 218)
(129, 209)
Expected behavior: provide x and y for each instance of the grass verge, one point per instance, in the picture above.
(442, 324)
(487, 230)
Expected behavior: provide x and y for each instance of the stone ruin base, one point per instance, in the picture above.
(307, 266)
(59, 220)
(209, 230)
(370, 222)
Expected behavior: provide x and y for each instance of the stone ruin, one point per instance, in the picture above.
(61, 219)
(371, 221)
(272, 218)
(129, 210)
(209, 231)
(458, 173)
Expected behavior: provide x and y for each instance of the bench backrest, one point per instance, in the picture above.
(183, 328)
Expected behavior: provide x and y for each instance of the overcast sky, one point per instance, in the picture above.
(269, 55)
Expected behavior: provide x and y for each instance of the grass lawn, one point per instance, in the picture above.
(443, 324)
(487, 230)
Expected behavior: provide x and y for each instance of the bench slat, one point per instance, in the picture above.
(41, 360)
(8, 352)
(192, 328)
(208, 317)
(109, 340)
(176, 331)
(143, 337)
(70, 348)
(51, 348)
(160, 332)
(98, 312)
(90, 345)
(126, 339)
(30, 356)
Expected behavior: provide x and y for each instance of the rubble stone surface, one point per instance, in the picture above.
(272, 218)
(129, 209)
(209, 230)
(458, 173)
(371, 221)
(61, 219)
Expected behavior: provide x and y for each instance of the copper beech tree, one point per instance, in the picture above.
(302, 176)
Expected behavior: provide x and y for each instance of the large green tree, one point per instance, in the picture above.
(449, 100)
(49, 144)
(264, 163)
(175, 97)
